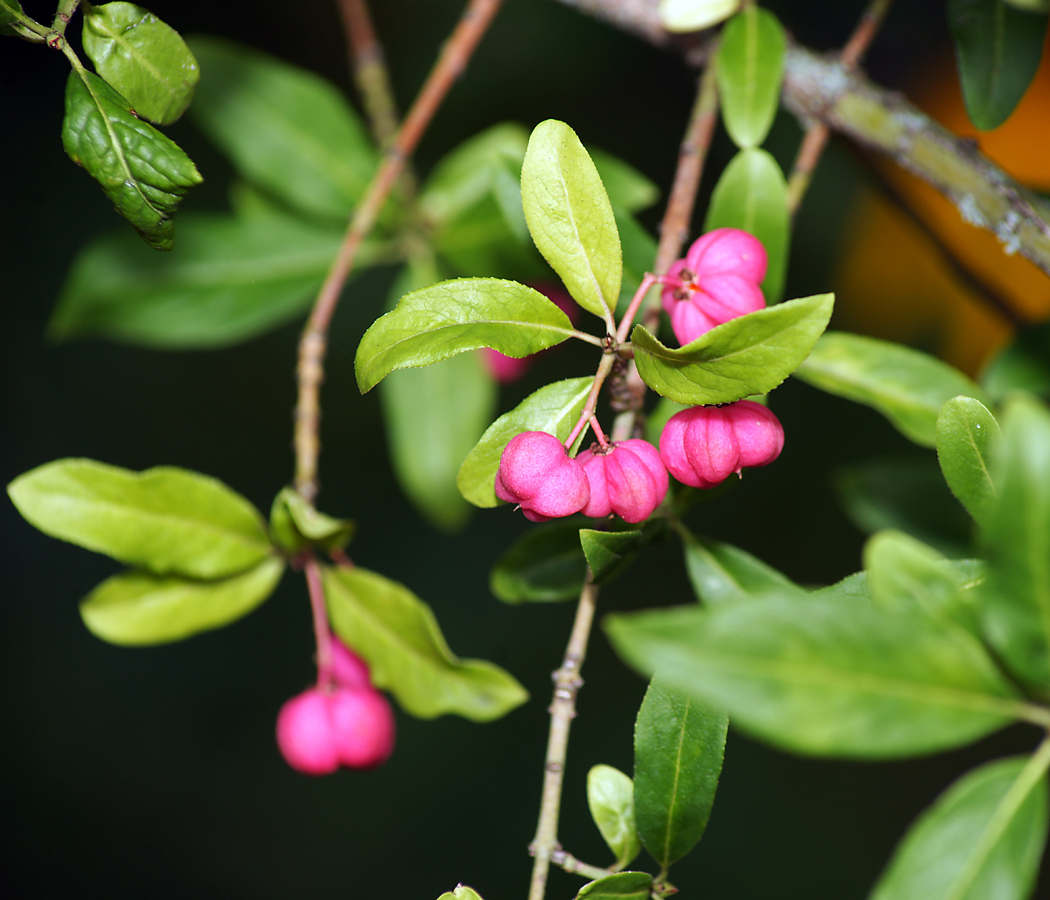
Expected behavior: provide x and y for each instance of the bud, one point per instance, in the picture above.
(701, 446)
(537, 473)
(627, 478)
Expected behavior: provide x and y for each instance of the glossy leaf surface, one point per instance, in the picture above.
(906, 386)
(143, 173)
(678, 751)
(284, 129)
(610, 552)
(610, 798)
(749, 68)
(553, 408)
(748, 355)
(546, 564)
(982, 838)
(621, 886)
(824, 675)
(570, 217)
(143, 58)
(164, 519)
(721, 573)
(139, 608)
(437, 322)
(966, 437)
(397, 635)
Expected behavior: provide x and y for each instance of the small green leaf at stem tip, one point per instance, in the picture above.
(610, 552)
(295, 525)
(693, 15)
(143, 172)
(570, 217)
(461, 892)
(437, 322)
(139, 608)
(621, 886)
(967, 434)
(397, 635)
(144, 58)
(983, 837)
(545, 565)
(751, 354)
(610, 798)
(749, 68)
(166, 520)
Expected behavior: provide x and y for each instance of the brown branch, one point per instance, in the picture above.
(369, 69)
(451, 62)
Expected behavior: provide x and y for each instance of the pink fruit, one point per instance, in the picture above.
(718, 280)
(348, 669)
(538, 474)
(701, 446)
(628, 479)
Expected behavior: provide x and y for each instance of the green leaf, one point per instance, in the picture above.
(14, 21)
(982, 838)
(570, 217)
(628, 189)
(997, 48)
(295, 524)
(285, 129)
(966, 436)
(908, 387)
(751, 354)
(1021, 365)
(827, 675)
(396, 634)
(678, 750)
(142, 172)
(554, 408)
(621, 886)
(1015, 601)
(692, 15)
(545, 565)
(232, 279)
(610, 798)
(461, 892)
(437, 322)
(721, 572)
(751, 195)
(749, 67)
(142, 57)
(167, 520)
(1032, 5)
(139, 608)
(610, 552)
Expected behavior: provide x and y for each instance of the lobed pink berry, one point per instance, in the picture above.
(701, 446)
(537, 473)
(628, 478)
(719, 279)
(318, 731)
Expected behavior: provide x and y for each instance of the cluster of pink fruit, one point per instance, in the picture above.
(718, 280)
(347, 723)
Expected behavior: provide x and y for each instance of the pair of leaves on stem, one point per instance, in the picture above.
(203, 558)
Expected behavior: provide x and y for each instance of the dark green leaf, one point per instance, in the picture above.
(908, 387)
(439, 321)
(1015, 601)
(14, 21)
(396, 634)
(139, 608)
(231, 280)
(749, 68)
(167, 520)
(142, 57)
(610, 552)
(966, 437)
(295, 524)
(554, 409)
(545, 565)
(144, 173)
(285, 129)
(1020, 366)
(751, 195)
(678, 750)
(982, 838)
(610, 798)
(997, 48)
(570, 217)
(628, 189)
(721, 572)
(751, 354)
(828, 674)
(621, 886)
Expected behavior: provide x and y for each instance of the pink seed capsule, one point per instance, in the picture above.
(305, 734)
(703, 445)
(628, 479)
(537, 473)
(348, 669)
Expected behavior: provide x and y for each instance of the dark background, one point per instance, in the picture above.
(154, 773)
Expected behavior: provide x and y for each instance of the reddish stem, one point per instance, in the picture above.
(322, 633)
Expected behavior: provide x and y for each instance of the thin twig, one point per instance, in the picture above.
(567, 682)
(571, 864)
(322, 634)
(369, 69)
(450, 64)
